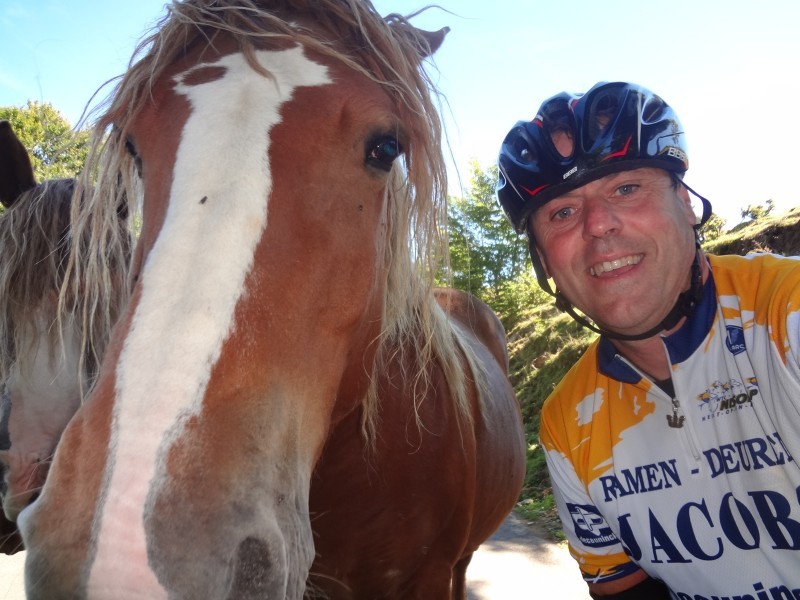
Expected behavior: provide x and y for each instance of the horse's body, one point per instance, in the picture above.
(426, 499)
(284, 400)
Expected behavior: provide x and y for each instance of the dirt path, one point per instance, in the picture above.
(518, 564)
(515, 564)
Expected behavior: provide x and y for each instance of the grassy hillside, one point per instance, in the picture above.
(779, 234)
(544, 344)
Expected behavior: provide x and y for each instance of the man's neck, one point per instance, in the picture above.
(649, 355)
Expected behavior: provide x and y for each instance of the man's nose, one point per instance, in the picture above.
(600, 218)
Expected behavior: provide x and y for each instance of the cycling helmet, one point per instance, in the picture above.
(577, 138)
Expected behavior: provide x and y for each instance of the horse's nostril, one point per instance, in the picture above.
(254, 574)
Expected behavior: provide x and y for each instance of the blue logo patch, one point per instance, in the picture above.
(590, 527)
(735, 339)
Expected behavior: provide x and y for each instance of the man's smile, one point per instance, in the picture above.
(612, 265)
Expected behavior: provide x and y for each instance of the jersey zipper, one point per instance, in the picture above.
(677, 419)
(687, 425)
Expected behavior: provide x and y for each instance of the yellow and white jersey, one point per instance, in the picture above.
(701, 490)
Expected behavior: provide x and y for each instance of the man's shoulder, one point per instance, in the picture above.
(579, 381)
(756, 261)
(744, 275)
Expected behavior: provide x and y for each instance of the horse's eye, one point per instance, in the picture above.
(383, 151)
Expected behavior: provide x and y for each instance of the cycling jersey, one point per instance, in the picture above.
(701, 490)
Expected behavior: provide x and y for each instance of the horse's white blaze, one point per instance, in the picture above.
(191, 282)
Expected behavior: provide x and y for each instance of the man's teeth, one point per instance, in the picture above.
(612, 265)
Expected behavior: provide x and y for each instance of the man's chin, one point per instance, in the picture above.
(628, 327)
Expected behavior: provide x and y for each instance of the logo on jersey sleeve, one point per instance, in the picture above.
(590, 527)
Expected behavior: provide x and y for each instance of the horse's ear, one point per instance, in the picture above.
(433, 40)
(427, 42)
(16, 172)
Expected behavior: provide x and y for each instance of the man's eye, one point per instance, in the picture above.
(626, 189)
(562, 213)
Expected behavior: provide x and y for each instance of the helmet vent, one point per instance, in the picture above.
(523, 149)
(559, 122)
(653, 110)
(602, 112)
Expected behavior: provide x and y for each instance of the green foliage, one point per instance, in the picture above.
(779, 234)
(486, 255)
(56, 151)
(713, 228)
(543, 346)
(513, 296)
(756, 211)
(542, 513)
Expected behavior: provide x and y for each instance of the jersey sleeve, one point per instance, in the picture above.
(600, 555)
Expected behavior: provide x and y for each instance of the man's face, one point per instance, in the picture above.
(619, 248)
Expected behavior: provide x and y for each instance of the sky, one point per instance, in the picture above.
(729, 68)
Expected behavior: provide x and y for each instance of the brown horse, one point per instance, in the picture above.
(286, 406)
(47, 360)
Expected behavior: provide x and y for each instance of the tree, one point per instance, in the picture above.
(755, 212)
(713, 228)
(55, 150)
(485, 250)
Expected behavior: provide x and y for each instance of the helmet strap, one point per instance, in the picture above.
(538, 269)
(706, 204)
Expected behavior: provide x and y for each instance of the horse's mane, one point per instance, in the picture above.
(385, 50)
(34, 247)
